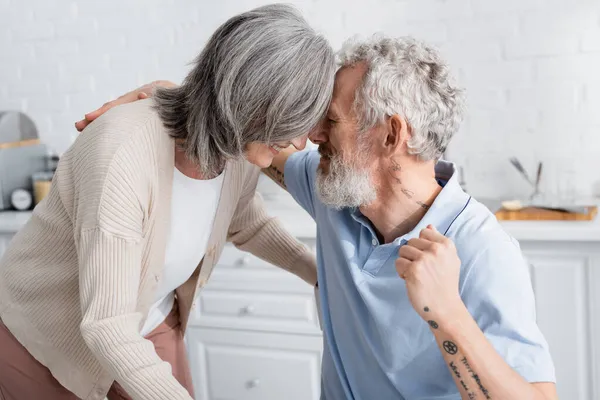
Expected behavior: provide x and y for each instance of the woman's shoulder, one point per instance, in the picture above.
(134, 129)
(127, 142)
(137, 120)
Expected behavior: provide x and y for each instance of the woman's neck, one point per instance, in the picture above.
(187, 167)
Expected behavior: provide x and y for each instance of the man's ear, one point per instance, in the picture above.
(397, 133)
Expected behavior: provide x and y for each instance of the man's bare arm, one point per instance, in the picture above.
(277, 168)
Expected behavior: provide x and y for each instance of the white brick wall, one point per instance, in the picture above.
(530, 68)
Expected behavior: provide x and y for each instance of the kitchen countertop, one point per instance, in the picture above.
(300, 224)
(12, 221)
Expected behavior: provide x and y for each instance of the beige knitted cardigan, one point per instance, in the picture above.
(77, 281)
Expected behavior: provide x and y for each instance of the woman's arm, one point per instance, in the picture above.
(108, 171)
(252, 230)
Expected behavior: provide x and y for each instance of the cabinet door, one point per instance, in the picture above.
(561, 283)
(243, 365)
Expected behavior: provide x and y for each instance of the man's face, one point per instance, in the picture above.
(343, 178)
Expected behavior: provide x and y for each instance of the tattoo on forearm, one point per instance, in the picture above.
(276, 175)
(454, 369)
(432, 324)
(475, 378)
(450, 347)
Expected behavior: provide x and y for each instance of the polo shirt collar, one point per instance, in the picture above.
(447, 206)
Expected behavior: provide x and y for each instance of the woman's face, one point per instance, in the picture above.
(261, 154)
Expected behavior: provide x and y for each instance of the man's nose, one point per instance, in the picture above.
(318, 135)
(300, 143)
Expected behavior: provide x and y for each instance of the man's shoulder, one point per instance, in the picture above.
(307, 160)
(477, 231)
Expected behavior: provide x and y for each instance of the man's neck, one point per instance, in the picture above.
(405, 191)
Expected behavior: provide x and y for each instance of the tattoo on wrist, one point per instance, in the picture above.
(276, 175)
(426, 309)
(433, 324)
(471, 395)
(475, 378)
(450, 347)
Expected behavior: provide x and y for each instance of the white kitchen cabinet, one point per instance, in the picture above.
(566, 277)
(230, 364)
(254, 333)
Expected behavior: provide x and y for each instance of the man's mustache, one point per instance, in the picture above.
(325, 151)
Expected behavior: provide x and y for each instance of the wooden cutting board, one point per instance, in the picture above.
(537, 214)
(21, 143)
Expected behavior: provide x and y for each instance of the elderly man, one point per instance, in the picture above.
(423, 295)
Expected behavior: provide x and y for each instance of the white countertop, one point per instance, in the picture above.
(299, 223)
(12, 221)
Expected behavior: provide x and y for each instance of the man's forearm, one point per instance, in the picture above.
(477, 369)
(277, 168)
(276, 175)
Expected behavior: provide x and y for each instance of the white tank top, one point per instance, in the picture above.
(193, 208)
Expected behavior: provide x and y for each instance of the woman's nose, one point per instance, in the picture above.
(300, 143)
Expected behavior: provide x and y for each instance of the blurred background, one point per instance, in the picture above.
(531, 71)
(530, 68)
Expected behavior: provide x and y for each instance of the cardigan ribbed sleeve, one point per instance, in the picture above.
(252, 230)
(112, 192)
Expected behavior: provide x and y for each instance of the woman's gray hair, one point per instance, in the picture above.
(408, 78)
(264, 76)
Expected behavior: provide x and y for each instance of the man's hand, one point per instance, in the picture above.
(140, 93)
(431, 268)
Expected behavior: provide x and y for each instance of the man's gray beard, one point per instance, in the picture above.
(346, 185)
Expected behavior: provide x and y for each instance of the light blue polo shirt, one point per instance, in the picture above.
(375, 345)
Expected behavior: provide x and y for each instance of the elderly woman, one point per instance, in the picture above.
(96, 290)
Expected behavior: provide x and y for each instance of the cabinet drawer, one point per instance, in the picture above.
(235, 258)
(260, 311)
(231, 257)
(241, 373)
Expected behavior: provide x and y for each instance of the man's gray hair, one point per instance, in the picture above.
(408, 78)
(264, 76)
